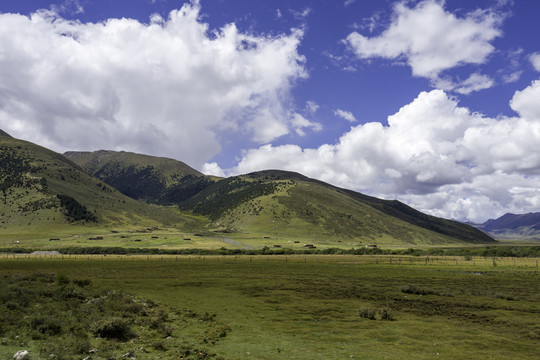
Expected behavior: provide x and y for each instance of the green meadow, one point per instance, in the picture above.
(274, 307)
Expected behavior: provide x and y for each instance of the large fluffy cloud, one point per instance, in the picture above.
(434, 154)
(432, 40)
(168, 87)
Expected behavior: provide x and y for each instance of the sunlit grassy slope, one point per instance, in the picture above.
(44, 194)
(275, 204)
(288, 205)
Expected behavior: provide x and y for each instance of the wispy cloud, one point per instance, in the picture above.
(70, 7)
(347, 115)
(312, 107)
(301, 14)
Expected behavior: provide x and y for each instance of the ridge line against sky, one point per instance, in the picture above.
(435, 103)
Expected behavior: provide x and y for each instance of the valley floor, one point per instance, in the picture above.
(326, 306)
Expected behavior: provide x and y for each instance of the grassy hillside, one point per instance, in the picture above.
(44, 194)
(275, 204)
(288, 205)
(153, 179)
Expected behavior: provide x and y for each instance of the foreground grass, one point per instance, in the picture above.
(313, 307)
(59, 318)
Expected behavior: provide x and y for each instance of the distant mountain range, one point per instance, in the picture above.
(41, 190)
(513, 226)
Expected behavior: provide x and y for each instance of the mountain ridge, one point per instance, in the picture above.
(153, 179)
(41, 188)
(282, 203)
(513, 226)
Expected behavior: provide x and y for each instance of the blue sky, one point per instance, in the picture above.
(435, 103)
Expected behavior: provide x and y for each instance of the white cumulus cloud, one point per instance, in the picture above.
(213, 169)
(170, 87)
(431, 40)
(434, 154)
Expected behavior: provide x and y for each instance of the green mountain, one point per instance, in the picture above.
(42, 191)
(276, 204)
(153, 179)
(285, 204)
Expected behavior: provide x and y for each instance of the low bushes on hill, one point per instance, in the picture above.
(65, 319)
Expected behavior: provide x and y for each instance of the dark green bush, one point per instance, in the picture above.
(62, 279)
(82, 282)
(113, 329)
(411, 289)
(47, 325)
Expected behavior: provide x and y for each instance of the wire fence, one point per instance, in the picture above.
(397, 260)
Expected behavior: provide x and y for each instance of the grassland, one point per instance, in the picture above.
(313, 307)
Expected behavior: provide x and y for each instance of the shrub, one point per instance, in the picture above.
(190, 352)
(82, 282)
(411, 289)
(159, 345)
(214, 333)
(207, 317)
(386, 314)
(80, 344)
(367, 313)
(46, 325)
(157, 323)
(504, 296)
(113, 329)
(62, 279)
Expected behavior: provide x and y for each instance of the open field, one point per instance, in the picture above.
(170, 238)
(319, 306)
